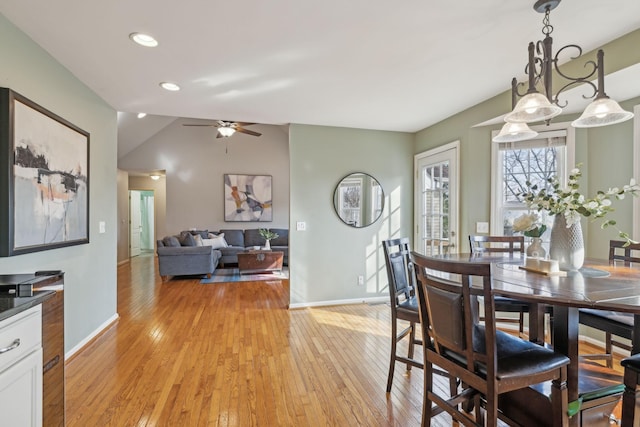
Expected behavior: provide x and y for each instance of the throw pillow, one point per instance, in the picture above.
(198, 239)
(186, 239)
(171, 241)
(216, 241)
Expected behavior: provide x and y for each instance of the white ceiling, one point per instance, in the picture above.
(373, 64)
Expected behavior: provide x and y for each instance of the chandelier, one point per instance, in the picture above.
(542, 105)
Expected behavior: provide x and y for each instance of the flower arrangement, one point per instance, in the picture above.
(572, 204)
(267, 234)
(530, 225)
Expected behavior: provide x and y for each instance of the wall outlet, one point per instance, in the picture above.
(102, 227)
(360, 280)
(482, 227)
(301, 226)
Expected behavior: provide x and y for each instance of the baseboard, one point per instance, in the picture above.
(123, 262)
(372, 300)
(92, 336)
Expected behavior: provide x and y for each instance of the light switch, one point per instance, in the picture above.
(482, 227)
(103, 227)
(301, 226)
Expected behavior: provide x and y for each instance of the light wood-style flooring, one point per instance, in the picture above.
(186, 354)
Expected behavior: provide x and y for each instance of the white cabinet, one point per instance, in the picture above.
(21, 369)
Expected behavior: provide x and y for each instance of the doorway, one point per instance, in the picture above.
(436, 200)
(141, 222)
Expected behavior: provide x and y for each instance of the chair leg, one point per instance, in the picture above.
(608, 349)
(392, 361)
(412, 338)
(560, 399)
(491, 409)
(631, 378)
(521, 323)
(427, 389)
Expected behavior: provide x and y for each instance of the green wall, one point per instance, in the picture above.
(327, 258)
(90, 270)
(606, 153)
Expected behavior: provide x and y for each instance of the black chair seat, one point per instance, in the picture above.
(632, 362)
(516, 357)
(620, 324)
(409, 305)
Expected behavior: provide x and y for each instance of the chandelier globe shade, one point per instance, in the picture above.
(512, 132)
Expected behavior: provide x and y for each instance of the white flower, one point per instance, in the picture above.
(591, 205)
(525, 222)
(575, 171)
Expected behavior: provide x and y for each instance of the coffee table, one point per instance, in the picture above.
(262, 261)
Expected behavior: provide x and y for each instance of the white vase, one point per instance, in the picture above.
(566, 245)
(535, 249)
(267, 245)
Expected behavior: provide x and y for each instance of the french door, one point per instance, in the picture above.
(436, 200)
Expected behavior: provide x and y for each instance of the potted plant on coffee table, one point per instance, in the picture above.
(268, 235)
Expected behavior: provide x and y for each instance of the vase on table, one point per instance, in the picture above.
(267, 245)
(535, 249)
(566, 245)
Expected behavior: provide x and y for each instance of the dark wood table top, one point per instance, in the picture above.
(598, 284)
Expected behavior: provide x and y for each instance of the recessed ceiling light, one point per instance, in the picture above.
(143, 39)
(141, 115)
(154, 177)
(169, 86)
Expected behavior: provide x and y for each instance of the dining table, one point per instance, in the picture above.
(599, 284)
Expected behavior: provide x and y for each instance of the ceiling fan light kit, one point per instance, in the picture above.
(542, 105)
(227, 128)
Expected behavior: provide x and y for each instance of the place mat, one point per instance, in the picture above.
(222, 275)
(591, 272)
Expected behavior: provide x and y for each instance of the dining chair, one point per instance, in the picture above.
(404, 305)
(503, 244)
(614, 324)
(487, 361)
(631, 381)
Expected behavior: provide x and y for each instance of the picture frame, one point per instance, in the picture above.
(248, 198)
(44, 178)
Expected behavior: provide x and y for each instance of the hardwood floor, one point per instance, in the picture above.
(186, 354)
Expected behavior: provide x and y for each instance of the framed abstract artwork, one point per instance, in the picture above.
(44, 180)
(247, 198)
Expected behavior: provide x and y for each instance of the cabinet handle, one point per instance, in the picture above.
(15, 344)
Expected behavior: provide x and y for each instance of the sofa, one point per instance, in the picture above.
(180, 256)
(200, 251)
(240, 240)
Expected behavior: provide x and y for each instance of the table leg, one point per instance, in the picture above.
(565, 341)
(536, 323)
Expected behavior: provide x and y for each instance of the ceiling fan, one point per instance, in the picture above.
(226, 128)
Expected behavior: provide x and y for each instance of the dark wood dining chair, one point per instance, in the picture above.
(488, 362)
(503, 244)
(631, 381)
(404, 303)
(614, 324)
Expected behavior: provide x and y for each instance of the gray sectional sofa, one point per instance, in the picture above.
(190, 253)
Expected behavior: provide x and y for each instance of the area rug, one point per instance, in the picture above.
(233, 275)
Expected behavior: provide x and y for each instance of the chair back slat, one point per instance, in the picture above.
(619, 252)
(488, 244)
(447, 291)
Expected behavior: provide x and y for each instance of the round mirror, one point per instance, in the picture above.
(358, 200)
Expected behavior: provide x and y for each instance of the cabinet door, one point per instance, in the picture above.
(21, 392)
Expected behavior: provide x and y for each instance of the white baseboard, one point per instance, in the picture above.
(372, 300)
(91, 336)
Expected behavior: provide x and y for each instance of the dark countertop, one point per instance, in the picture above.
(11, 305)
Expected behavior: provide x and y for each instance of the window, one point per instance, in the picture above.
(516, 163)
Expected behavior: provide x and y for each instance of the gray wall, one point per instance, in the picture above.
(123, 216)
(195, 162)
(327, 258)
(90, 270)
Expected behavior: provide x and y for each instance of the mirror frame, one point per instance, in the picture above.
(367, 209)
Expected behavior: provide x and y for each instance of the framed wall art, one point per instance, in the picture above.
(44, 178)
(247, 198)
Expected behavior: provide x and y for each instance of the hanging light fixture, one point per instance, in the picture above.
(535, 106)
(226, 131)
(512, 132)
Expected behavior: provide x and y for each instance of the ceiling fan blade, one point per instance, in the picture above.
(187, 124)
(248, 132)
(219, 135)
(240, 124)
